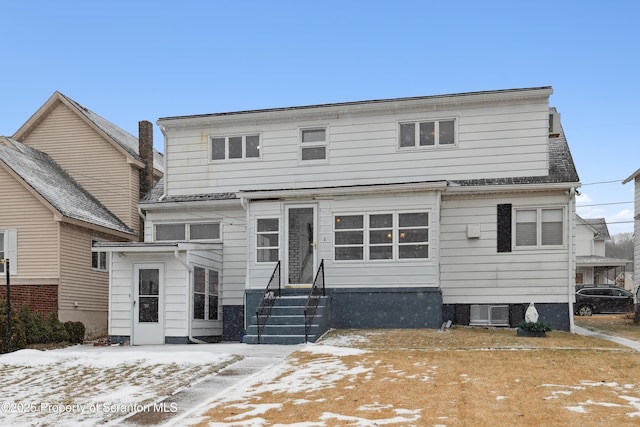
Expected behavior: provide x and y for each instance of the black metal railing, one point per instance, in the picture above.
(317, 292)
(268, 299)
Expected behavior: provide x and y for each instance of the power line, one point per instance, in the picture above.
(605, 204)
(602, 182)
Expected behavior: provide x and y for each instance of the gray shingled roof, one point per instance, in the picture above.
(157, 191)
(600, 225)
(57, 187)
(122, 137)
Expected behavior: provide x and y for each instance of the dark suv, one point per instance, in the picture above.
(603, 299)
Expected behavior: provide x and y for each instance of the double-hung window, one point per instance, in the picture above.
(235, 147)
(183, 232)
(205, 294)
(427, 134)
(313, 144)
(539, 227)
(98, 257)
(267, 239)
(9, 250)
(381, 236)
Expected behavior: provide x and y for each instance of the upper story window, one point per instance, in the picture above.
(313, 144)
(98, 257)
(539, 227)
(183, 232)
(235, 147)
(427, 134)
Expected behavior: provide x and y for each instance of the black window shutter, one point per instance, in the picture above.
(504, 228)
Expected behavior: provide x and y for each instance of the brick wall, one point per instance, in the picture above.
(42, 299)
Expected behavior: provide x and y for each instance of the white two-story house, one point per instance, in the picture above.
(419, 210)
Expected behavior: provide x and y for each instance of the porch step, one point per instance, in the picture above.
(286, 323)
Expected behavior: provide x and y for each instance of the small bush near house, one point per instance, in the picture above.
(75, 330)
(18, 336)
(29, 328)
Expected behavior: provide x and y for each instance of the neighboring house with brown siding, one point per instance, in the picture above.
(54, 206)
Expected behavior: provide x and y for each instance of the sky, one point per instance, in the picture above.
(142, 60)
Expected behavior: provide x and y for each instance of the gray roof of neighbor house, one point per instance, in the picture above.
(38, 171)
(124, 139)
(600, 226)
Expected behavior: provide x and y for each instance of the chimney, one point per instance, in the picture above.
(145, 149)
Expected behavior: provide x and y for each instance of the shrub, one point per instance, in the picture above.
(75, 331)
(534, 326)
(28, 328)
(18, 336)
(57, 332)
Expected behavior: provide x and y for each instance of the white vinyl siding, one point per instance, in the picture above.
(472, 271)
(495, 140)
(376, 273)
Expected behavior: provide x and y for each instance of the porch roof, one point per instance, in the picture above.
(154, 246)
(600, 261)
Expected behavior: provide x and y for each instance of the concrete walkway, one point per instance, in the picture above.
(622, 341)
(255, 359)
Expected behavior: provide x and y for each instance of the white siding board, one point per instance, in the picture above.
(471, 270)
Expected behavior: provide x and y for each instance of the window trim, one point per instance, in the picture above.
(255, 236)
(100, 255)
(227, 137)
(538, 210)
(395, 230)
(436, 143)
(315, 144)
(187, 231)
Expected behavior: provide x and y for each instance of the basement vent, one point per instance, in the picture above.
(489, 315)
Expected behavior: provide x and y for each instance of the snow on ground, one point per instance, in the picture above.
(84, 386)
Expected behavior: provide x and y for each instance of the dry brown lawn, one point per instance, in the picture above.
(464, 376)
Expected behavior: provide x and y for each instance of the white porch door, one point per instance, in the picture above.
(301, 246)
(148, 303)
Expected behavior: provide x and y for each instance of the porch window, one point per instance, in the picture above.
(427, 134)
(349, 237)
(313, 144)
(539, 227)
(205, 294)
(381, 236)
(183, 232)
(98, 258)
(235, 147)
(267, 239)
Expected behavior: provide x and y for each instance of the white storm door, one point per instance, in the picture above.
(148, 304)
(301, 246)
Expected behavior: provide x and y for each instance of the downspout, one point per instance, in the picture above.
(245, 205)
(570, 271)
(176, 255)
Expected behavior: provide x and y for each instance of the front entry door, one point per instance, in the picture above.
(148, 321)
(301, 244)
